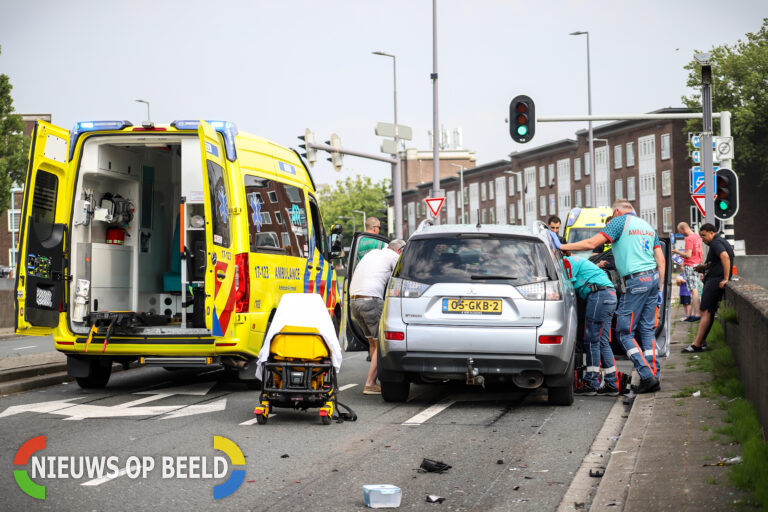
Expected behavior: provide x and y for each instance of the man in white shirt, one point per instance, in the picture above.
(366, 290)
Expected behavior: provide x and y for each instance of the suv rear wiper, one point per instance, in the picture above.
(490, 276)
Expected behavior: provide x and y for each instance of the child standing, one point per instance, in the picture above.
(685, 298)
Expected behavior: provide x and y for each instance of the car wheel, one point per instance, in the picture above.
(97, 379)
(562, 395)
(395, 391)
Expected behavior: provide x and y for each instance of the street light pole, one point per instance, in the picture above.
(593, 199)
(461, 189)
(397, 187)
(361, 211)
(149, 117)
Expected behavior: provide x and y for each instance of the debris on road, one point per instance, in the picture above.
(382, 496)
(597, 473)
(433, 498)
(725, 461)
(697, 394)
(500, 461)
(433, 466)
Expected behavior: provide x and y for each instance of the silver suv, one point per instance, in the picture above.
(478, 303)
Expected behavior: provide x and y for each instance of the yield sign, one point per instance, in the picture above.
(699, 200)
(434, 204)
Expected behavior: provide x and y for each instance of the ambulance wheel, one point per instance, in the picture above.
(261, 419)
(395, 391)
(326, 420)
(98, 378)
(253, 384)
(337, 322)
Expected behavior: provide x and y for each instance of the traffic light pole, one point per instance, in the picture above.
(394, 162)
(706, 139)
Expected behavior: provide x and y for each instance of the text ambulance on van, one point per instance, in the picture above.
(171, 245)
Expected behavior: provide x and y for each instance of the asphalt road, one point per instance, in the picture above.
(25, 345)
(508, 449)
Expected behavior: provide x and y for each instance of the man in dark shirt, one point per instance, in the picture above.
(718, 272)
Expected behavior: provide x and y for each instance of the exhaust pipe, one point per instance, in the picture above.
(528, 379)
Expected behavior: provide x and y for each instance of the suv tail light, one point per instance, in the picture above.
(242, 283)
(394, 335)
(550, 340)
(404, 288)
(549, 290)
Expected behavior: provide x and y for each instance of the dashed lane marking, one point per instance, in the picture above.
(347, 386)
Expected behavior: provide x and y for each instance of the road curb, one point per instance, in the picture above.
(614, 486)
(40, 376)
(583, 486)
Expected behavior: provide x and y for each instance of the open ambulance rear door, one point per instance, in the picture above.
(41, 263)
(219, 234)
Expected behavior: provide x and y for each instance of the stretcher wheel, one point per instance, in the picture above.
(326, 420)
(261, 419)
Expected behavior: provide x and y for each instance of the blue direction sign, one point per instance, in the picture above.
(697, 179)
(696, 142)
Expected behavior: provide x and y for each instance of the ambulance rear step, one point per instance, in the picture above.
(181, 362)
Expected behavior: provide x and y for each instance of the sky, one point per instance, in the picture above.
(276, 68)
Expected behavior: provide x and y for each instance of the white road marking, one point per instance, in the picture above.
(254, 420)
(191, 410)
(426, 414)
(99, 481)
(25, 348)
(347, 386)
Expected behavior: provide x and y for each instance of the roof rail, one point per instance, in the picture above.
(424, 225)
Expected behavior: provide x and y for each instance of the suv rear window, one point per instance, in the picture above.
(463, 259)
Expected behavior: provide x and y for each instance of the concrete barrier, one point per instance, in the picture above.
(753, 268)
(7, 303)
(748, 340)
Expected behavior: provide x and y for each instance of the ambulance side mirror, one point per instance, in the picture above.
(335, 241)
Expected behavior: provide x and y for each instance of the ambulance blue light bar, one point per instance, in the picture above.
(227, 129)
(93, 126)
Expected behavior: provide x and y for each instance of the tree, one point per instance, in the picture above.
(14, 146)
(353, 193)
(739, 85)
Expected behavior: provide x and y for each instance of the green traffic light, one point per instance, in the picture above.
(722, 205)
(522, 130)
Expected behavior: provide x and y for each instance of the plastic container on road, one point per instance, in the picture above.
(382, 496)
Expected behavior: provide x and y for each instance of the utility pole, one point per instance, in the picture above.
(435, 125)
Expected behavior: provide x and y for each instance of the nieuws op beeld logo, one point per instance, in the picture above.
(100, 467)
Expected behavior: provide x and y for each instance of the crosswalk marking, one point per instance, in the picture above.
(426, 414)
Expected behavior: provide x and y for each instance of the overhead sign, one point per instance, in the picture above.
(434, 204)
(388, 147)
(388, 130)
(699, 200)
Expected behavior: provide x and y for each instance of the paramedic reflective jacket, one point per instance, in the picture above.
(582, 273)
(633, 242)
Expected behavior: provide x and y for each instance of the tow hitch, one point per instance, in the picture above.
(473, 374)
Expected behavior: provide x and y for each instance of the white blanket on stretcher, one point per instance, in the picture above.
(301, 310)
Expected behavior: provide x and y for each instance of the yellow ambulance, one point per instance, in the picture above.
(170, 245)
(583, 223)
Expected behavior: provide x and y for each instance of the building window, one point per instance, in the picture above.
(577, 169)
(485, 216)
(466, 195)
(483, 192)
(630, 154)
(490, 191)
(552, 204)
(511, 185)
(520, 209)
(647, 147)
(617, 157)
(492, 215)
(665, 146)
(551, 168)
(512, 213)
(588, 195)
(631, 189)
(587, 165)
(666, 183)
(542, 205)
(542, 176)
(666, 219)
(578, 198)
(16, 214)
(618, 189)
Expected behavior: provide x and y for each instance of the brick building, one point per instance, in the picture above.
(645, 161)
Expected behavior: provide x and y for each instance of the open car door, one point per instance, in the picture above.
(352, 338)
(220, 273)
(41, 265)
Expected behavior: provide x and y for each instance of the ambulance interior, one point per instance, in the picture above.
(126, 235)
